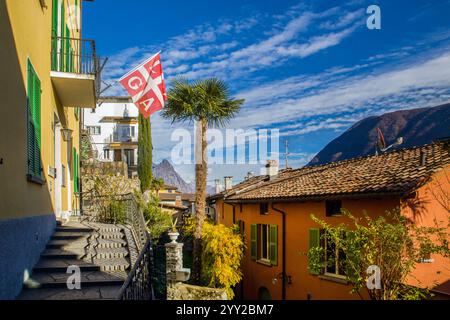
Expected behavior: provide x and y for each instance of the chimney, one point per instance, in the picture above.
(218, 186)
(423, 158)
(228, 183)
(250, 175)
(272, 169)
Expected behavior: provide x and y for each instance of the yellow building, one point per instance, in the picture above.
(48, 74)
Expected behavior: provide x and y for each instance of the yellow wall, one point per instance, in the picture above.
(26, 34)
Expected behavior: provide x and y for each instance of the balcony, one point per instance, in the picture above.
(75, 72)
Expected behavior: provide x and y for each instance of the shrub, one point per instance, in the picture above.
(156, 219)
(223, 250)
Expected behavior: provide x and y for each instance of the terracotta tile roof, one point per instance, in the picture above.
(248, 184)
(173, 196)
(395, 173)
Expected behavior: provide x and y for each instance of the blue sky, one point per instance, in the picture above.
(310, 69)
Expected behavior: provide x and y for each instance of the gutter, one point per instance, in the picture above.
(283, 267)
(320, 198)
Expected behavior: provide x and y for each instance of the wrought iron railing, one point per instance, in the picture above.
(126, 210)
(74, 56)
(138, 285)
(77, 56)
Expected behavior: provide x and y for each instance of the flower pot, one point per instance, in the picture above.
(173, 236)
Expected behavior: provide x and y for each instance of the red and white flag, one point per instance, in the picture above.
(146, 86)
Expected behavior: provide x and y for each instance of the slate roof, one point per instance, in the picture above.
(392, 173)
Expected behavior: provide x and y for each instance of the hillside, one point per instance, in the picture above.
(416, 126)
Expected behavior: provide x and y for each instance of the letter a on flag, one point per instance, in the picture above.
(145, 84)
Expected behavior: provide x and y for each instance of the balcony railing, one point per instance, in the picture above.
(77, 56)
(74, 56)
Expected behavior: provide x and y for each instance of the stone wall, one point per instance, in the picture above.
(176, 275)
(182, 291)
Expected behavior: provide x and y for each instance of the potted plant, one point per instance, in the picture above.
(173, 233)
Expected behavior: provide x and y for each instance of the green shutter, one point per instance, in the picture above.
(273, 244)
(254, 241)
(314, 241)
(34, 123)
(62, 42)
(54, 34)
(75, 171)
(314, 238)
(67, 51)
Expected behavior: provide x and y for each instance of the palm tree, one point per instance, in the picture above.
(209, 104)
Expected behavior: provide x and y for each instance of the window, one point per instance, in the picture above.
(334, 258)
(63, 176)
(264, 243)
(94, 130)
(34, 163)
(133, 132)
(263, 209)
(333, 208)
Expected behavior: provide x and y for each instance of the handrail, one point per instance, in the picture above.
(138, 285)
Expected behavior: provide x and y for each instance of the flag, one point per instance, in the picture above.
(146, 86)
(381, 140)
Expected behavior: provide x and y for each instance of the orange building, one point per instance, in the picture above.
(274, 211)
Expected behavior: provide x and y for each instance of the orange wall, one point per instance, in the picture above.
(298, 223)
(428, 213)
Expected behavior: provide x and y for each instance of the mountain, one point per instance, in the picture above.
(167, 172)
(416, 126)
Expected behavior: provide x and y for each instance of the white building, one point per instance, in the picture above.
(114, 131)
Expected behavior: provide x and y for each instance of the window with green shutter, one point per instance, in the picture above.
(34, 125)
(254, 241)
(273, 244)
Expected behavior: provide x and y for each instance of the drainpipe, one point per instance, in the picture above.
(80, 185)
(283, 250)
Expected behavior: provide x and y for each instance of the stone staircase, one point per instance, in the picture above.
(101, 251)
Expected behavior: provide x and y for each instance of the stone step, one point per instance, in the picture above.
(63, 254)
(101, 227)
(54, 266)
(90, 293)
(67, 244)
(112, 235)
(73, 229)
(107, 265)
(111, 253)
(70, 235)
(111, 243)
(88, 279)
